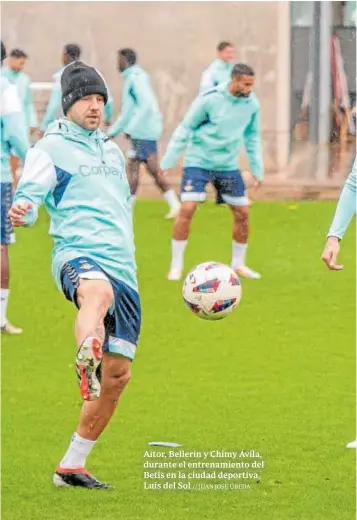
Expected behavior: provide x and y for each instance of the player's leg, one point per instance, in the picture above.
(169, 194)
(240, 241)
(5, 278)
(122, 326)
(180, 236)
(94, 417)
(133, 171)
(85, 284)
(231, 189)
(94, 298)
(193, 186)
(6, 239)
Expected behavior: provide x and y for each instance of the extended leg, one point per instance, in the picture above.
(94, 298)
(94, 418)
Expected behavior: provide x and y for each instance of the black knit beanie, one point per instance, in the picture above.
(77, 81)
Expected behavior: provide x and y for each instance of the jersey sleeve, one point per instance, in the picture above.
(127, 109)
(37, 180)
(14, 129)
(207, 81)
(53, 106)
(31, 111)
(196, 115)
(141, 93)
(253, 146)
(346, 206)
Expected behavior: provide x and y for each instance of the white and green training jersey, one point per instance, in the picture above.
(80, 177)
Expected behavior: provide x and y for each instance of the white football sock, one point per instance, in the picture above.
(238, 254)
(171, 198)
(4, 297)
(178, 250)
(133, 200)
(78, 451)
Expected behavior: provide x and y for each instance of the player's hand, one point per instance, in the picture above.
(18, 212)
(41, 134)
(257, 184)
(329, 256)
(33, 130)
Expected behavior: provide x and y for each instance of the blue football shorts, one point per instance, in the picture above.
(229, 186)
(123, 320)
(140, 149)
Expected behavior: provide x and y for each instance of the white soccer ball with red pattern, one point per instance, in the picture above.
(212, 290)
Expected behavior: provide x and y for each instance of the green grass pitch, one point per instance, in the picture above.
(277, 376)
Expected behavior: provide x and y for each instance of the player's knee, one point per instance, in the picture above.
(97, 293)
(187, 211)
(116, 382)
(241, 212)
(103, 297)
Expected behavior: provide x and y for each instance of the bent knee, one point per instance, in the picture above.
(121, 378)
(98, 292)
(114, 384)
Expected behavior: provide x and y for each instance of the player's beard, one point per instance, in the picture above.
(91, 122)
(241, 93)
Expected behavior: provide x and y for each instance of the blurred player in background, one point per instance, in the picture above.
(346, 208)
(140, 119)
(220, 70)
(71, 53)
(213, 131)
(13, 71)
(80, 176)
(13, 137)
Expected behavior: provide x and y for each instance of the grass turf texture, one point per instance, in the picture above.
(277, 376)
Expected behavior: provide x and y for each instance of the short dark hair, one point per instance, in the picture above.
(18, 53)
(223, 45)
(129, 55)
(241, 69)
(73, 50)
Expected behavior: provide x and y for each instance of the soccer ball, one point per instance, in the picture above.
(212, 290)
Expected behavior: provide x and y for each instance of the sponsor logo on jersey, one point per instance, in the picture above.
(104, 170)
